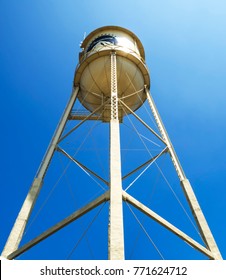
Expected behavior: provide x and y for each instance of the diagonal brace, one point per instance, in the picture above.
(147, 162)
(77, 214)
(166, 224)
(82, 165)
(144, 123)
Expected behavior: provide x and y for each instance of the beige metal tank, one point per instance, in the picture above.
(93, 73)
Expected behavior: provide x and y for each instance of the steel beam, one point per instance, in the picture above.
(189, 193)
(115, 231)
(17, 231)
(24, 214)
(165, 136)
(200, 220)
(153, 159)
(167, 225)
(144, 123)
(77, 214)
(83, 120)
(82, 166)
(60, 128)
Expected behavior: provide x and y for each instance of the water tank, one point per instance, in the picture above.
(93, 73)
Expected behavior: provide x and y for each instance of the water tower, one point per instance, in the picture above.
(111, 81)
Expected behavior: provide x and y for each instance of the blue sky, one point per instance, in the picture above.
(185, 45)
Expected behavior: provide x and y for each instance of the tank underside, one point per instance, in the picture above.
(94, 76)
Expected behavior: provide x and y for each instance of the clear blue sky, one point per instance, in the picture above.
(185, 46)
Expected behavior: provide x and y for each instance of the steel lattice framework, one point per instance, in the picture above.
(115, 194)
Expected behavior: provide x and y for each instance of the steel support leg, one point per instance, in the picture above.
(200, 220)
(116, 234)
(17, 231)
(189, 193)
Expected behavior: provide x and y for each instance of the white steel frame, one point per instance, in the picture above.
(115, 195)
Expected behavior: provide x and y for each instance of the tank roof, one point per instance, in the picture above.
(116, 28)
